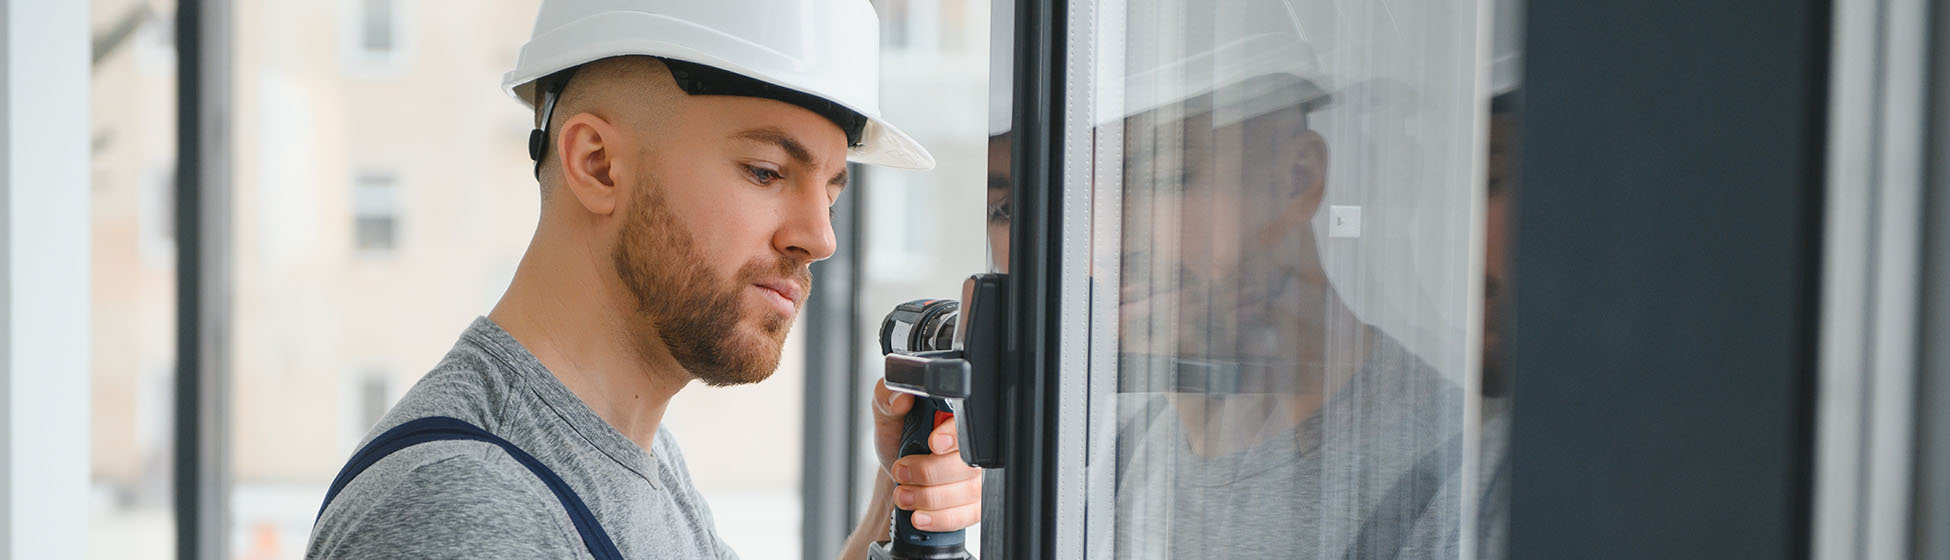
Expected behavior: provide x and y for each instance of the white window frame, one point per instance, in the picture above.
(44, 278)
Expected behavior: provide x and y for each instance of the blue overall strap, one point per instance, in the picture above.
(441, 428)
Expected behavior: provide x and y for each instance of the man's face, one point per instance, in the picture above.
(1218, 261)
(1502, 180)
(731, 206)
(1000, 211)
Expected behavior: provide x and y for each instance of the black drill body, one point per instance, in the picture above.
(912, 328)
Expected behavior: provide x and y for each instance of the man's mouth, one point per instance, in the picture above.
(783, 294)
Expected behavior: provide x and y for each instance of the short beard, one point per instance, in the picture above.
(693, 313)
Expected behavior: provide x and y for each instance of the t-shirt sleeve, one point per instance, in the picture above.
(671, 459)
(457, 507)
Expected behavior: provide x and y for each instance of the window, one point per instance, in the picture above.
(158, 217)
(378, 27)
(375, 396)
(374, 32)
(157, 48)
(375, 212)
(1255, 382)
(368, 398)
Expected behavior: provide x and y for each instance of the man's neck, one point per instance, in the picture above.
(561, 310)
(1224, 424)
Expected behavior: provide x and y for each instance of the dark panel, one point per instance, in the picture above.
(1668, 261)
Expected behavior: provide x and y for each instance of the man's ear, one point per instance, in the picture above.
(1307, 172)
(1305, 176)
(589, 145)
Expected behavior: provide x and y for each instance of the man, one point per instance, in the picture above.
(1258, 415)
(1262, 416)
(688, 155)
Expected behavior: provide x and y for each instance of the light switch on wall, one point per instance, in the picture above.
(1344, 221)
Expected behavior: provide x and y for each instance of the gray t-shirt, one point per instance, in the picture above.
(469, 499)
(1341, 484)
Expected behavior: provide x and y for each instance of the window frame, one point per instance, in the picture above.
(203, 285)
(1033, 43)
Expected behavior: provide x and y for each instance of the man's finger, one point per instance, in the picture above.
(951, 519)
(951, 495)
(945, 439)
(932, 470)
(888, 404)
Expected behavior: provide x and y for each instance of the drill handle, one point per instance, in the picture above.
(909, 542)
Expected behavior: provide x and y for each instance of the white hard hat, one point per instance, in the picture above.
(1506, 62)
(1251, 56)
(826, 51)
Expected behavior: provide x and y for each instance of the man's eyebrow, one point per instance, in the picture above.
(792, 147)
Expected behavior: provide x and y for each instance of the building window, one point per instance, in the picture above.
(378, 27)
(375, 30)
(375, 398)
(375, 212)
(157, 217)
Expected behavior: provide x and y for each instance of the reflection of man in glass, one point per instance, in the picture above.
(1259, 415)
(1263, 417)
(1266, 419)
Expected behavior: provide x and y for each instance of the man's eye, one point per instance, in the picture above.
(999, 213)
(764, 176)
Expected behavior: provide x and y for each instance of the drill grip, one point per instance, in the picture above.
(909, 542)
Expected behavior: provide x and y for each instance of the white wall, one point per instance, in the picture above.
(44, 252)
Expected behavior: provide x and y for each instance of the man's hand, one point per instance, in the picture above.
(944, 493)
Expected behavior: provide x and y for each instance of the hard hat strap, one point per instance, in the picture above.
(538, 138)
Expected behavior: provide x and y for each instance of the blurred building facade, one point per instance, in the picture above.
(133, 145)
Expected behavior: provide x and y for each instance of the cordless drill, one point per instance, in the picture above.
(922, 329)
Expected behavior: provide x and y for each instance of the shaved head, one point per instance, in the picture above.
(634, 92)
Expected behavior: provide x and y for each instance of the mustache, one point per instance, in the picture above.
(796, 271)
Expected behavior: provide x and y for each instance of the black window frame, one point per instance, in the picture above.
(203, 261)
(1019, 520)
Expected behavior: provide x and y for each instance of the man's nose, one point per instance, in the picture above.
(807, 230)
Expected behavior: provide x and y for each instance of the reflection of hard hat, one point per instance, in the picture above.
(1506, 62)
(1250, 56)
(1001, 69)
(820, 50)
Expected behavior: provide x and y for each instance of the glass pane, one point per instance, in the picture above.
(1294, 246)
(132, 394)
